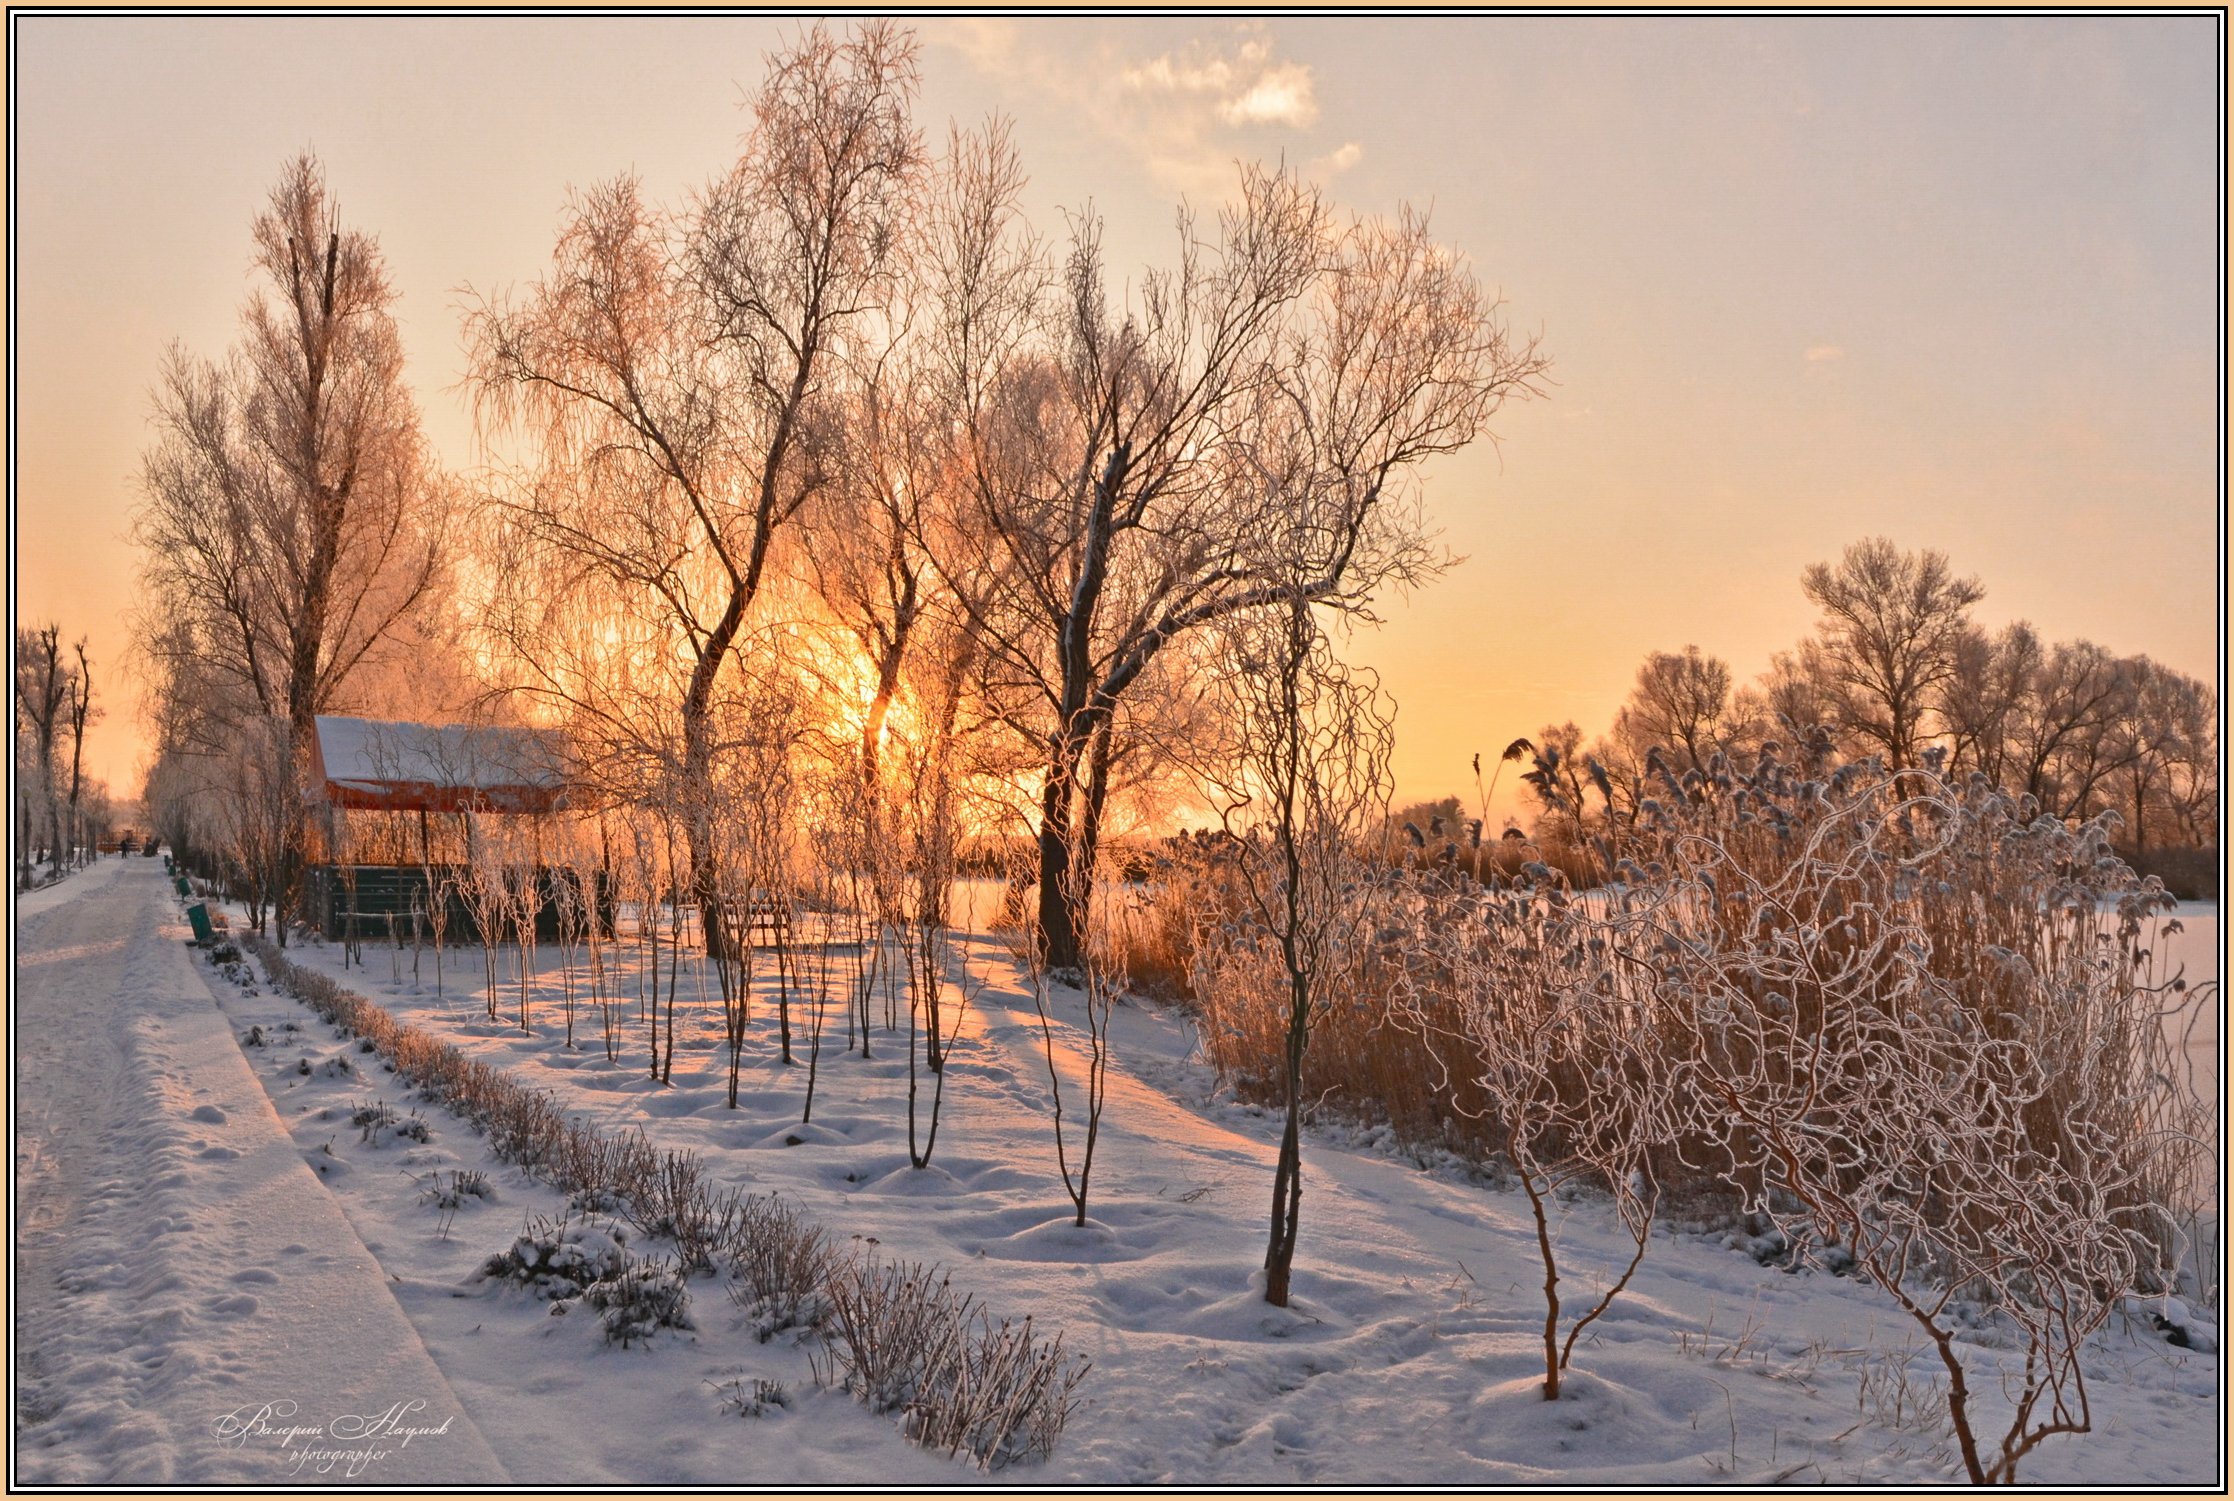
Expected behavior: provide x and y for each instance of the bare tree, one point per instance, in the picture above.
(753, 853)
(259, 811)
(82, 713)
(2062, 734)
(1887, 641)
(1099, 980)
(1794, 695)
(2172, 770)
(24, 805)
(1310, 782)
(1983, 695)
(1560, 777)
(1558, 1030)
(43, 694)
(1683, 703)
(292, 519)
(871, 534)
(1123, 465)
(1683, 708)
(673, 370)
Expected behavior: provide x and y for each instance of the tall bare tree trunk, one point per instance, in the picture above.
(698, 771)
(1058, 938)
(1287, 1174)
(81, 710)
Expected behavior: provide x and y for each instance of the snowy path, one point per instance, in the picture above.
(177, 1260)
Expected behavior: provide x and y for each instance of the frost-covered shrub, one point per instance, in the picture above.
(1554, 1022)
(900, 1338)
(607, 1173)
(595, 1201)
(561, 1258)
(1927, 1039)
(1825, 912)
(1009, 1398)
(1920, 1031)
(752, 1399)
(782, 1263)
(640, 1299)
(449, 1191)
(672, 1201)
(371, 1119)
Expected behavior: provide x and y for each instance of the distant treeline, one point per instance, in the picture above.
(1896, 668)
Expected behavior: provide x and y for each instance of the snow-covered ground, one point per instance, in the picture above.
(77, 883)
(1411, 1354)
(178, 1267)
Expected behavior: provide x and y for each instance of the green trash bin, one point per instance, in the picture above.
(182, 887)
(205, 933)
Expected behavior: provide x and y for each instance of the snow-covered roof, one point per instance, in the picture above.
(382, 763)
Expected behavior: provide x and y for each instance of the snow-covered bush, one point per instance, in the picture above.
(561, 1258)
(1925, 1036)
(567, 1260)
(595, 1201)
(378, 1124)
(640, 1299)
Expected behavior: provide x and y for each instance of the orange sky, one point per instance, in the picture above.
(1804, 279)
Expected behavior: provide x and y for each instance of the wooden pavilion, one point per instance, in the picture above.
(382, 781)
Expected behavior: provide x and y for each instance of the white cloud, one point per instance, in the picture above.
(1818, 353)
(1243, 84)
(1188, 112)
(1340, 160)
(1280, 96)
(1166, 75)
